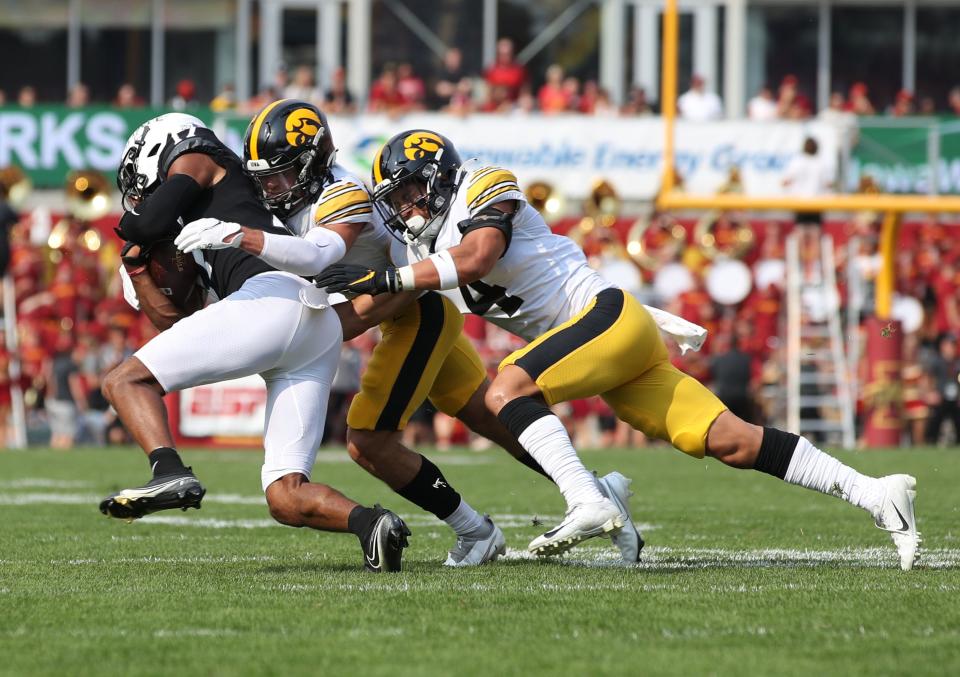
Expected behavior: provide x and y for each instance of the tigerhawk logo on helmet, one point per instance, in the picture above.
(417, 145)
(415, 168)
(288, 151)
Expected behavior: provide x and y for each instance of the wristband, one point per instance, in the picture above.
(406, 277)
(447, 269)
(133, 272)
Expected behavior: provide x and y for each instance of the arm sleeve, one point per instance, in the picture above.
(156, 217)
(309, 255)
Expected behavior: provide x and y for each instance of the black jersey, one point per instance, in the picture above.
(233, 198)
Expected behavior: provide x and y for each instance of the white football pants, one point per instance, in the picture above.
(262, 328)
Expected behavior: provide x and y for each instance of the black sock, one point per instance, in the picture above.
(360, 520)
(430, 491)
(531, 463)
(165, 461)
(776, 451)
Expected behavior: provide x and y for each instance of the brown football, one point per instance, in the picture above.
(176, 274)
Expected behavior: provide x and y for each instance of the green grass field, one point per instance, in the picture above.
(741, 575)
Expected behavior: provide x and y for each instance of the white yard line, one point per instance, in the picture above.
(43, 483)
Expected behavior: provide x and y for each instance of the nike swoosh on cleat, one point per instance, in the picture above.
(373, 562)
(903, 523)
(549, 534)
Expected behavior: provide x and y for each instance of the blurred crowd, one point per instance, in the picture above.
(507, 87)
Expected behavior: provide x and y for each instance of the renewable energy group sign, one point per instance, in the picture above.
(570, 152)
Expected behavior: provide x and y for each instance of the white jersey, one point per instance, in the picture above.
(541, 281)
(346, 200)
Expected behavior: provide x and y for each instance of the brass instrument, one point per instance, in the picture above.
(601, 208)
(652, 259)
(703, 236)
(88, 195)
(543, 197)
(15, 185)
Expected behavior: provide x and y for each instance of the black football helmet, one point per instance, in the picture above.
(288, 151)
(416, 168)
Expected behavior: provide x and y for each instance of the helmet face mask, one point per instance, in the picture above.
(288, 152)
(284, 189)
(416, 174)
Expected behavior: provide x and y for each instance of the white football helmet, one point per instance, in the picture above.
(139, 171)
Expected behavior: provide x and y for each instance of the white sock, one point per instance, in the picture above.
(547, 441)
(814, 469)
(465, 520)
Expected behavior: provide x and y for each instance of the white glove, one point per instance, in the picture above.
(129, 295)
(209, 234)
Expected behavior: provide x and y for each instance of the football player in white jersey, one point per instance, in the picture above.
(174, 169)
(289, 152)
(489, 251)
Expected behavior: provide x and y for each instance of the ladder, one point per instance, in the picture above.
(819, 400)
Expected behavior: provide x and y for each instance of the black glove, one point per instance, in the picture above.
(343, 277)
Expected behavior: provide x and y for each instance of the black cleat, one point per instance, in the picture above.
(166, 492)
(383, 545)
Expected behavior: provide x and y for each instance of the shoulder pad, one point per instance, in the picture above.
(343, 201)
(489, 185)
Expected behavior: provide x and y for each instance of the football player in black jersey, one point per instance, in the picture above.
(175, 170)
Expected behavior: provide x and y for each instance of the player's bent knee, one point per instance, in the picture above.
(365, 445)
(130, 372)
(733, 441)
(511, 383)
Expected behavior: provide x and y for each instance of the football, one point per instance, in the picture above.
(176, 274)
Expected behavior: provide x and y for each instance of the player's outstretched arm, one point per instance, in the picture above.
(320, 247)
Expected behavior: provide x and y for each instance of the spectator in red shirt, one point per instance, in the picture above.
(410, 86)
(506, 72)
(588, 98)
(858, 102)
(498, 101)
(384, 95)
(553, 96)
(902, 105)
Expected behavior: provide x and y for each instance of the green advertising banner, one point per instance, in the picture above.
(912, 156)
(49, 141)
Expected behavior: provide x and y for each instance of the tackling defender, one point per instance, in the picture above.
(289, 152)
(174, 168)
(471, 234)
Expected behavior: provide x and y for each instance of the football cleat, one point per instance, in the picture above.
(896, 517)
(166, 492)
(383, 545)
(616, 487)
(582, 521)
(471, 551)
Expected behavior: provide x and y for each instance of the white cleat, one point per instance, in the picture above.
(582, 522)
(471, 551)
(616, 487)
(896, 517)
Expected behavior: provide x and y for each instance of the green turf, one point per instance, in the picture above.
(742, 575)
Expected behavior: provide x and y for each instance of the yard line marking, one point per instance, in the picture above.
(675, 559)
(43, 483)
(35, 498)
(209, 522)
